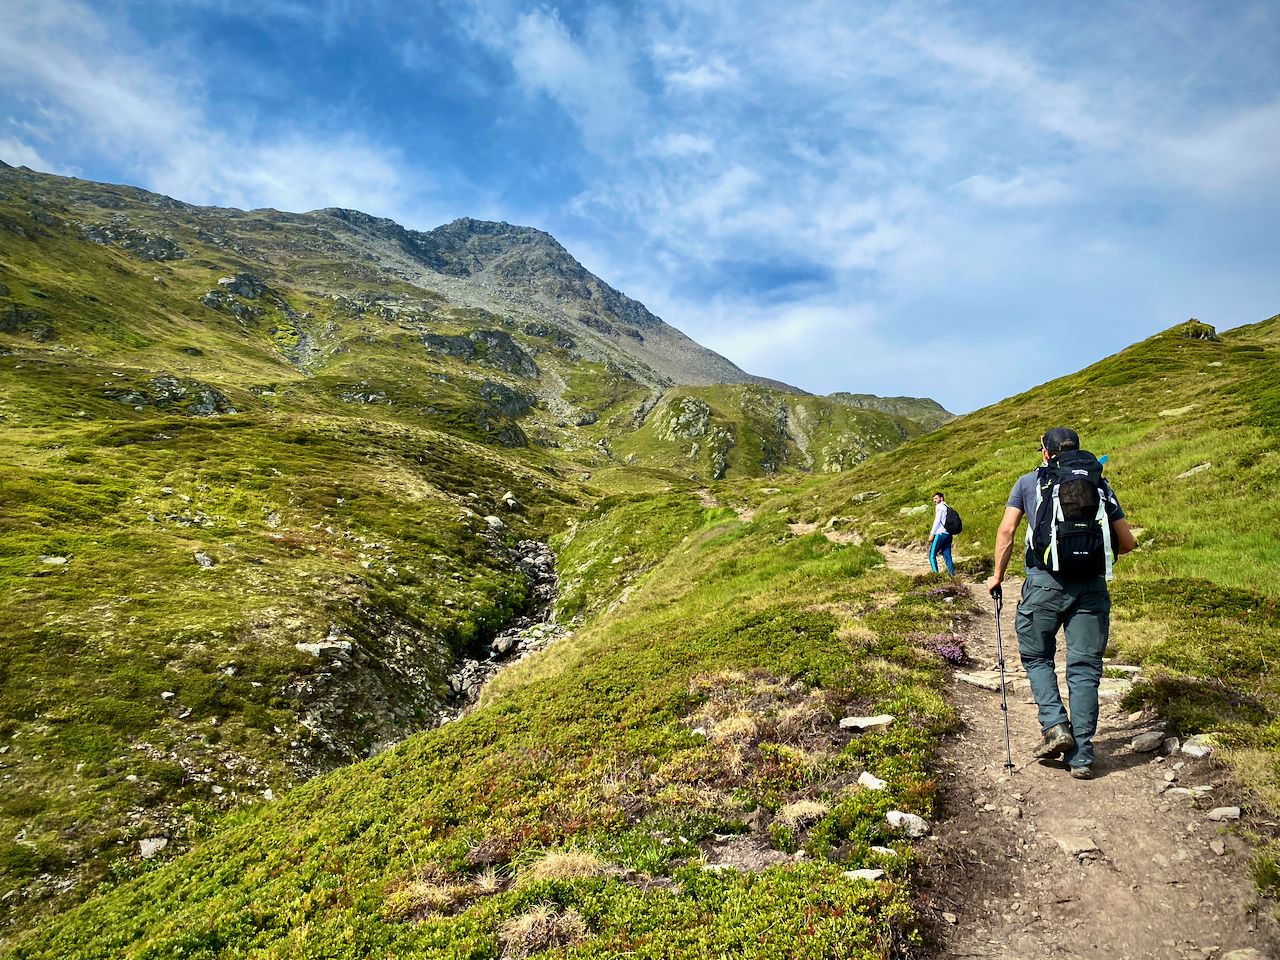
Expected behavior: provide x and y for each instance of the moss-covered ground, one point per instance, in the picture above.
(697, 710)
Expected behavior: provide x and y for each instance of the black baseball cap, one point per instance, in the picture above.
(1055, 439)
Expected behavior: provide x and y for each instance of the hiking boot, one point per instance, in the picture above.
(1082, 773)
(1056, 740)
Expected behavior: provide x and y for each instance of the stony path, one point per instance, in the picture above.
(1036, 864)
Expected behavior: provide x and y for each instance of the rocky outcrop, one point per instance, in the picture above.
(684, 418)
(145, 246)
(1193, 329)
(243, 285)
(174, 394)
(490, 348)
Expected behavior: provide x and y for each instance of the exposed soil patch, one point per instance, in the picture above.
(1036, 864)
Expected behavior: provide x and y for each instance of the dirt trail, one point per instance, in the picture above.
(1010, 874)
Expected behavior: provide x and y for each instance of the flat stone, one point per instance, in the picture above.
(151, 846)
(1186, 793)
(205, 561)
(864, 874)
(1220, 814)
(1113, 688)
(879, 722)
(1198, 468)
(324, 648)
(909, 823)
(986, 679)
(1217, 846)
(1078, 846)
(1201, 745)
(1147, 742)
(885, 851)
(1248, 953)
(870, 781)
(53, 561)
(950, 917)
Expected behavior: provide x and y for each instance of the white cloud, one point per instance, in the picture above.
(1238, 152)
(18, 154)
(1023, 189)
(1061, 107)
(700, 77)
(590, 79)
(98, 90)
(683, 145)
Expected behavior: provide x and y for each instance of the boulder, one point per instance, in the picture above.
(495, 523)
(1199, 746)
(151, 846)
(327, 647)
(244, 285)
(1148, 742)
(871, 782)
(912, 825)
(1078, 846)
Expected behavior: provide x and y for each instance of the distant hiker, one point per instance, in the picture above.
(946, 523)
(1075, 528)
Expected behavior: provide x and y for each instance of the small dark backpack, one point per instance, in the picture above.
(952, 522)
(1070, 532)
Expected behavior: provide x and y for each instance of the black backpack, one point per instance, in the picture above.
(1069, 533)
(952, 522)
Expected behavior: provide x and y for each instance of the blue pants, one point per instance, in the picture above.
(941, 545)
(1083, 611)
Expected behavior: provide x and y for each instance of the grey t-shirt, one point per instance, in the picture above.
(1023, 497)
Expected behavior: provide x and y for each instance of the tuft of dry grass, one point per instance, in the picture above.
(544, 927)
(802, 813)
(803, 719)
(738, 728)
(488, 883)
(565, 865)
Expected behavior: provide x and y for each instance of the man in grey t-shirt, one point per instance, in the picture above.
(1049, 602)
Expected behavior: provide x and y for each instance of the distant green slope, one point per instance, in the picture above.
(928, 413)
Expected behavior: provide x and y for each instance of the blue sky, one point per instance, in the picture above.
(958, 200)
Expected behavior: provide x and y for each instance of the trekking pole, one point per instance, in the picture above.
(998, 596)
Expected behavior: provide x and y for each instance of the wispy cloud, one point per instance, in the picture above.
(590, 77)
(101, 91)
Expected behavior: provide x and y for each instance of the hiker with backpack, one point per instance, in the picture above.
(946, 524)
(1075, 529)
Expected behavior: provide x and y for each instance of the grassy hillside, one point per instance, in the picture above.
(249, 463)
(1192, 428)
(699, 717)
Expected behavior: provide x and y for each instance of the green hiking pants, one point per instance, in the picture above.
(1083, 610)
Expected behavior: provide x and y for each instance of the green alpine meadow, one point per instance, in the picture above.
(371, 592)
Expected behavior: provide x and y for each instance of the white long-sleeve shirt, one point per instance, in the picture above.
(939, 519)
